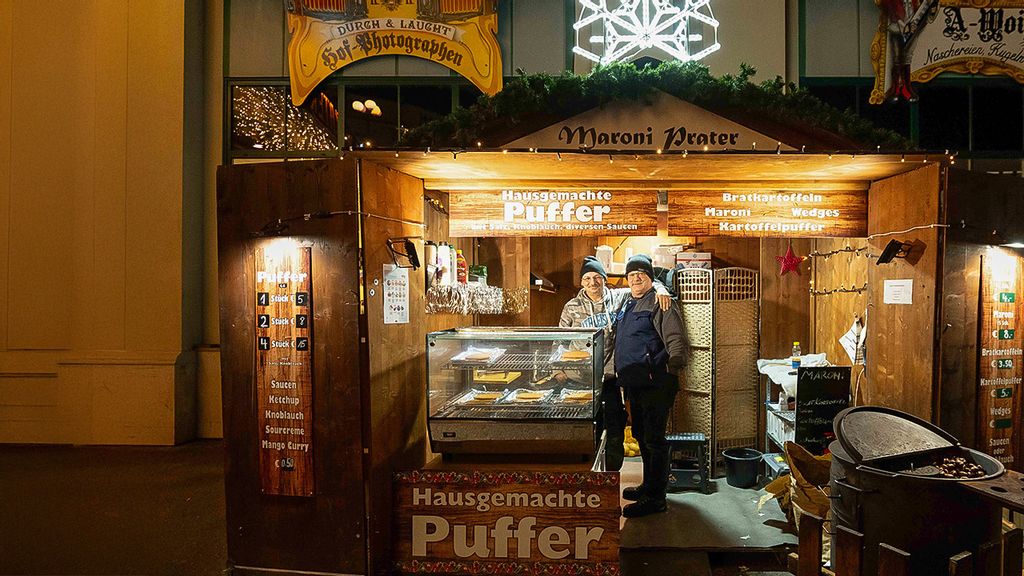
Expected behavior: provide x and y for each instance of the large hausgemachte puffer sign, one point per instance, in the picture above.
(327, 35)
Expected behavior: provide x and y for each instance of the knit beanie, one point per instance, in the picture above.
(641, 262)
(592, 264)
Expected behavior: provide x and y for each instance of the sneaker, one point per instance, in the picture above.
(644, 507)
(633, 493)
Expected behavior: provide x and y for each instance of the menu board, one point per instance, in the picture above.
(284, 368)
(775, 213)
(497, 213)
(822, 392)
(999, 355)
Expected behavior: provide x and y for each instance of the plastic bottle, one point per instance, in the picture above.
(443, 264)
(795, 357)
(453, 274)
(462, 268)
(430, 258)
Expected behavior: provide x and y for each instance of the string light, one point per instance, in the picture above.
(659, 150)
(841, 290)
(846, 249)
(479, 143)
(264, 115)
(559, 156)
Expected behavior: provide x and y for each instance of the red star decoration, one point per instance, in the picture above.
(790, 262)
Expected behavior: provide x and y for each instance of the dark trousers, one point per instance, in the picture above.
(650, 406)
(611, 418)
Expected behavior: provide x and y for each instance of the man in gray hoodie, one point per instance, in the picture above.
(650, 349)
(596, 306)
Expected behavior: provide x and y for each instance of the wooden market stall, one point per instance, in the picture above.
(365, 414)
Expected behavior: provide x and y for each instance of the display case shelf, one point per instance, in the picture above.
(505, 364)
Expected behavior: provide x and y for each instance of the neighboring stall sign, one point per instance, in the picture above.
(451, 522)
(284, 367)
(918, 40)
(822, 392)
(665, 124)
(1000, 358)
(553, 213)
(327, 35)
(771, 213)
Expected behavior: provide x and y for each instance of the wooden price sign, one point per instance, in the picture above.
(999, 369)
(822, 392)
(450, 522)
(284, 367)
(553, 213)
(769, 213)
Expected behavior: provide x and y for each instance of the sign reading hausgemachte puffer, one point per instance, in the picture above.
(553, 213)
(665, 123)
(770, 213)
(1000, 358)
(327, 35)
(284, 368)
(451, 522)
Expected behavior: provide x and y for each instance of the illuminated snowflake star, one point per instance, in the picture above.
(684, 29)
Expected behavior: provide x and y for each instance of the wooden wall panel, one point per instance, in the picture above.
(508, 266)
(396, 425)
(559, 260)
(961, 284)
(901, 371)
(437, 231)
(983, 202)
(834, 313)
(785, 301)
(325, 533)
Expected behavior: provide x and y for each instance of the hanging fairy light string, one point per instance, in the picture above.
(843, 250)
(841, 290)
(264, 115)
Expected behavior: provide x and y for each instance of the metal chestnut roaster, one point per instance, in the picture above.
(902, 481)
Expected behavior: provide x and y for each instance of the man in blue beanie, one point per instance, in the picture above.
(596, 306)
(650, 349)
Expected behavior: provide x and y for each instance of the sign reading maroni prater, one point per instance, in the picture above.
(449, 522)
(553, 213)
(284, 368)
(769, 213)
(327, 35)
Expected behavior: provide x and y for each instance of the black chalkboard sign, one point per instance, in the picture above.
(822, 392)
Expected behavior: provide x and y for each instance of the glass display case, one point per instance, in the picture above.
(520, 390)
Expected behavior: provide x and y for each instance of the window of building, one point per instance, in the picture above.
(998, 118)
(371, 116)
(945, 117)
(264, 121)
(422, 103)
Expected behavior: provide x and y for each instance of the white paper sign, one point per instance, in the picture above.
(396, 294)
(898, 292)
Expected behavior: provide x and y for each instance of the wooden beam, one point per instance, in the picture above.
(1013, 548)
(961, 565)
(810, 546)
(989, 558)
(892, 561)
(849, 547)
(457, 185)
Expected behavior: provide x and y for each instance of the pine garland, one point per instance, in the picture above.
(529, 102)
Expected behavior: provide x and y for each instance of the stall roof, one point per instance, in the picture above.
(490, 170)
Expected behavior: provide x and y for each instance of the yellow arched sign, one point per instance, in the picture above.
(327, 35)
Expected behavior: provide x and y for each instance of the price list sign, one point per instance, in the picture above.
(284, 388)
(1000, 359)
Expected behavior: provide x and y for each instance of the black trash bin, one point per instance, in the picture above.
(741, 466)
